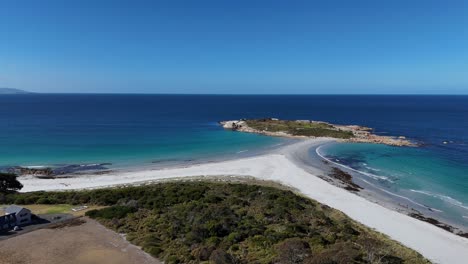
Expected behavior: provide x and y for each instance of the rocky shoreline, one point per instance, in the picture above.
(357, 134)
(61, 171)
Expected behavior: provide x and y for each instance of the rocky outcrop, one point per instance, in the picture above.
(360, 134)
(21, 171)
(58, 171)
(242, 126)
(234, 124)
(345, 179)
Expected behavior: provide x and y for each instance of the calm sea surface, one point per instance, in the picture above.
(51, 129)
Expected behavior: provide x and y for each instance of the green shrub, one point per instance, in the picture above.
(112, 212)
(193, 222)
(299, 128)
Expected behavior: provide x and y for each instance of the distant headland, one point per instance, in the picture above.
(13, 91)
(310, 128)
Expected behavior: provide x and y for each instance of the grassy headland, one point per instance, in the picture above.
(201, 222)
(310, 128)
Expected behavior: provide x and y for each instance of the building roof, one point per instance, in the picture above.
(14, 209)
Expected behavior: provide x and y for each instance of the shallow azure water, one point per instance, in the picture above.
(425, 179)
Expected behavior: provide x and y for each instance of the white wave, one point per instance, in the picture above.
(90, 165)
(375, 186)
(403, 197)
(370, 175)
(241, 151)
(444, 198)
(465, 216)
(35, 166)
(370, 168)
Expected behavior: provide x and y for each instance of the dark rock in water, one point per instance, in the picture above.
(345, 178)
(79, 167)
(31, 171)
(48, 172)
(437, 223)
(432, 221)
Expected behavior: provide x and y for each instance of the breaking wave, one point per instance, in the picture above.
(377, 177)
(444, 198)
(370, 175)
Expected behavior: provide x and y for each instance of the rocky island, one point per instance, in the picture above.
(313, 129)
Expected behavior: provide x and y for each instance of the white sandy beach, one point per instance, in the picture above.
(283, 166)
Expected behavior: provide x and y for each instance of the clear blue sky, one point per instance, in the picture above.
(234, 46)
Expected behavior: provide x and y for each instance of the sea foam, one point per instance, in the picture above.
(444, 198)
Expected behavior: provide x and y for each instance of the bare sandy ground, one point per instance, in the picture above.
(89, 243)
(284, 166)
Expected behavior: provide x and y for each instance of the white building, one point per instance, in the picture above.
(23, 215)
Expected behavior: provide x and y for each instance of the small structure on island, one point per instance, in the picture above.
(22, 215)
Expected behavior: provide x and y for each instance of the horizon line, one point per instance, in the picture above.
(244, 94)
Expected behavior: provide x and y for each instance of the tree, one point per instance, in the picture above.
(9, 183)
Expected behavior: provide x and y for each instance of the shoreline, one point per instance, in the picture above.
(286, 166)
(369, 191)
(376, 194)
(400, 202)
(105, 166)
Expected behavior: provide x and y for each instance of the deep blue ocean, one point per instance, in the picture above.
(52, 129)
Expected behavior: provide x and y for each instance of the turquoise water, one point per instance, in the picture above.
(212, 143)
(125, 130)
(415, 173)
(135, 130)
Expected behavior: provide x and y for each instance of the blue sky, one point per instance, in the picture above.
(300, 47)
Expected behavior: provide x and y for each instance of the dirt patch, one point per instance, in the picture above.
(82, 242)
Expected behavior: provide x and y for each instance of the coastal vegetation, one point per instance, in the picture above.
(213, 222)
(309, 129)
(9, 183)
